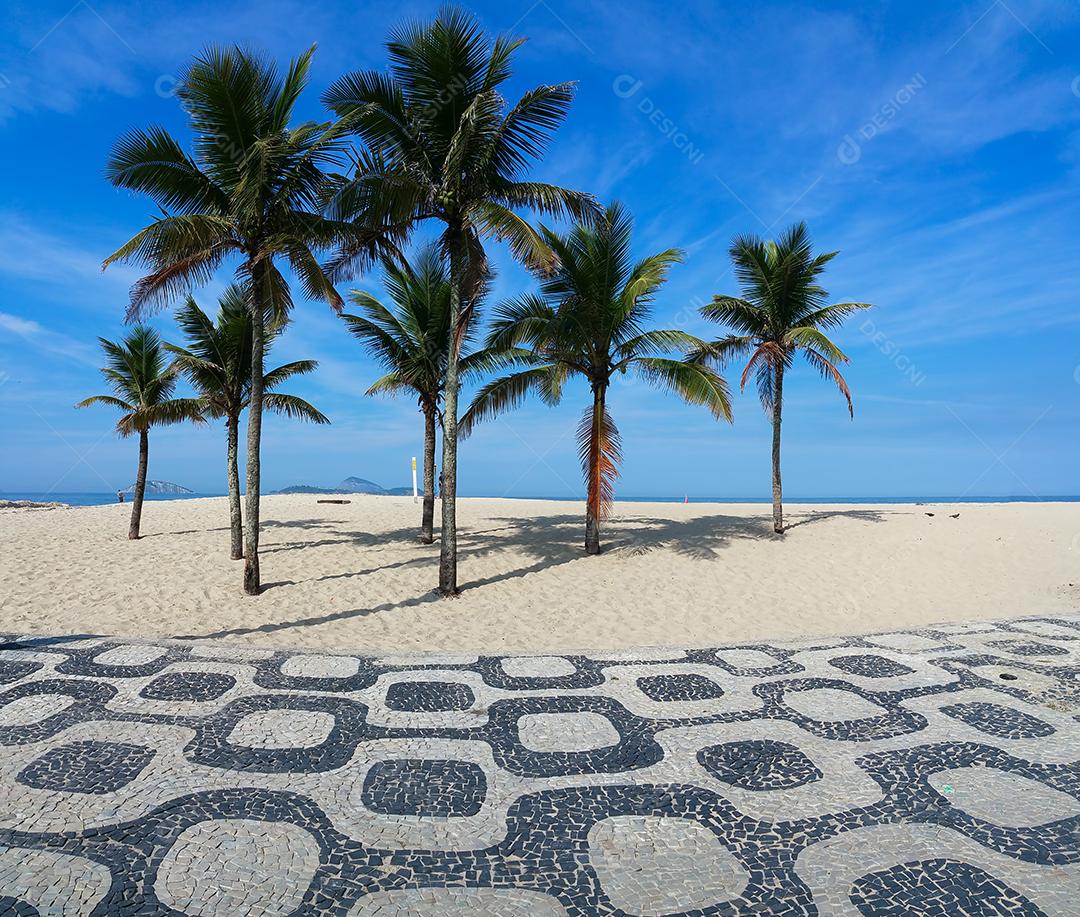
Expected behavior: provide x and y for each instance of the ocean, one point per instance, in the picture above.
(91, 499)
(98, 499)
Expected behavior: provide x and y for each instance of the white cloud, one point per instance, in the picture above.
(44, 339)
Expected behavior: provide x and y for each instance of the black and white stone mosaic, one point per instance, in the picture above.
(895, 774)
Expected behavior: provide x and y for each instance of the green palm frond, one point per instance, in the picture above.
(390, 384)
(694, 382)
(153, 163)
(523, 321)
(172, 411)
(526, 243)
(107, 400)
(811, 338)
(659, 341)
(833, 316)
(275, 377)
(829, 371)
(507, 392)
(294, 407)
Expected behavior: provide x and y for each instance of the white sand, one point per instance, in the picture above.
(354, 577)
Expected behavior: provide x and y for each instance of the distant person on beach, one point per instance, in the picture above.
(119, 496)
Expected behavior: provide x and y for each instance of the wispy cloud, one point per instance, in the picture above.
(47, 258)
(46, 340)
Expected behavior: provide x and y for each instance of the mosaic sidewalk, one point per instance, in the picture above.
(929, 772)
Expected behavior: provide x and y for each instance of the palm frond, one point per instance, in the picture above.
(390, 384)
(809, 337)
(107, 400)
(508, 392)
(294, 407)
(736, 313)
(152, 162)
(526, 243)
(694, 382)
(600, 451)
(660, 340)
(275, 377)
(165, 413)
(829, 371)
(833, 316)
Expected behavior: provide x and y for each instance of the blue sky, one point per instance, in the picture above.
(937, 146)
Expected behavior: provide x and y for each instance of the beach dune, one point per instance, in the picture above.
(353, 576)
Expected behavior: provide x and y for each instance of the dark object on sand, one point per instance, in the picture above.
(333, 501)
(955, 516)
(929, 514)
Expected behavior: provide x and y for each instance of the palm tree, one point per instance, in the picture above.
(142, 385)
(252, 190)
(412, 341)
(782, 312)
(590, 319)
(442, 143)
(217, 362)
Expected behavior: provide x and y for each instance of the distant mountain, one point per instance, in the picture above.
(351, 485)
(308, 489)
(158, 488)
(354, 485)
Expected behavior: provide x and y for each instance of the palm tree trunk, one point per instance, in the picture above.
(777, 488)
(236, 525)
(254, 433)
(427, 535)
(140, 485)
(592, 502)
(448, 490)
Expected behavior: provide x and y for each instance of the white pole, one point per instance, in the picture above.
(414, 479)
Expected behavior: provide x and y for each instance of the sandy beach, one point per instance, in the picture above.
(354, 576)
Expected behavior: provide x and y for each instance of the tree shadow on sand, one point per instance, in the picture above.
(339, 537)
(547, 541)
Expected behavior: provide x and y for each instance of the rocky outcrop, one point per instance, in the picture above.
(158, 488)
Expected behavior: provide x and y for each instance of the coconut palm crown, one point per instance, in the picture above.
(251, 190)
(591, 319)
(142, 384)
(217, 363)
(783, 312)
(443, 143)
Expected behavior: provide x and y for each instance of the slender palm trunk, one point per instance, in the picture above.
(777, 489)
(592, 503)
(254, 434)
(427, 535)
(140, 485)
(448, 490)
(236, 525)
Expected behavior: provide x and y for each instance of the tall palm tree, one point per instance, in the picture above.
(781, 313)
(442, 143)
(590, 319)
(251, 190)
(142, 384)
(217, 362)
(413, 340)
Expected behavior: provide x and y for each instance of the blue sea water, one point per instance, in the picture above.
(97, 499)
(91, 499)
